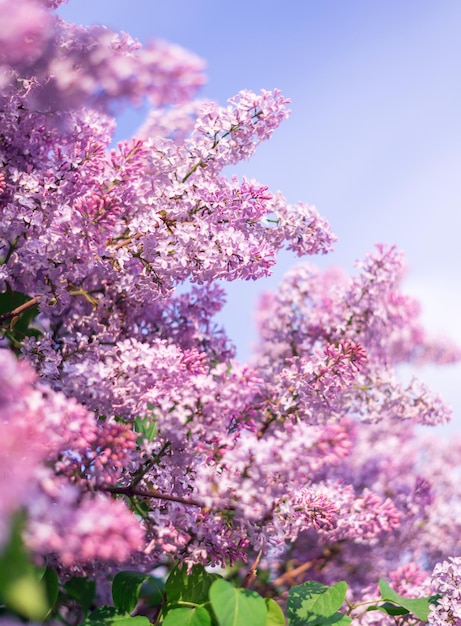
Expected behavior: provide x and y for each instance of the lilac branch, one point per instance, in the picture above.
(131, 491)
(20, 309)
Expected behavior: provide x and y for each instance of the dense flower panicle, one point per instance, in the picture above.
(129, 240)
(37, 424)
(301, 224)
(22, 441)
(313, 312)
(446, 580)
(312, 390)
(410, 579)
(131, 398)
(253, 474)
(78, 531)
(312, 308)
(26, 31)
(65, 65)
(225, 136)
(419, 523)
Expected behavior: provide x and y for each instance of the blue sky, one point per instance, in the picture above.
(374, 138)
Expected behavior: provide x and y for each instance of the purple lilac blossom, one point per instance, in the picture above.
(129, 391)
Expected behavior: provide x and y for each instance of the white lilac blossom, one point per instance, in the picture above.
(129, 430)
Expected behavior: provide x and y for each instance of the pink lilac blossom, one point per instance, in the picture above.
(23, 444)
(312, 312)
(136, 400)
(78, 530)
(64, 65)
(39, 426)
(384, 455)
(421, 481)
(25, 33)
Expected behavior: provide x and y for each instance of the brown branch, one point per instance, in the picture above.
(133, 491)
(251, 575)
(20, 309)
(126, 241)
(289, 577)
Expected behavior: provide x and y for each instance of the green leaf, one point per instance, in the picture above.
(197, 616)
(237, 607)
(83, 590)
(417, 606)
(21, 588)
(25, 595)
(51, 581)
(192, 587)
(389, 609)
(153, 591)
(312, 604)
(126, 588)
(338, 619)
(146, 426)
(108, 616)
(275, 616)
(10, 300)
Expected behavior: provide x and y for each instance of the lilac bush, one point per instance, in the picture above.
(131, 436)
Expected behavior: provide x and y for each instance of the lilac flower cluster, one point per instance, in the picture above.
(62, 65)
(313, 311)
(50, 447)
(446, 579)
(23, 444)
(127, 426)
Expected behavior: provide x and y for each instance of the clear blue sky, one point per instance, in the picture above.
(374, 139)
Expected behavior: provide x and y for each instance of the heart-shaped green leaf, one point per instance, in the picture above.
(237, 607)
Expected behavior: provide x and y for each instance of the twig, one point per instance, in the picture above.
(290, 575)
(251, 575)
(133, 491)
(20, 309)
